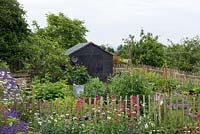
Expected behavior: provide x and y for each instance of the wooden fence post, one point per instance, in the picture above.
(164, 101)
(170, 108)
(125, 108)
(138, 106)
(144, 106)
(193, 110)
(177, 96)
(95, 110)
(149, 105)
(51, 107)
(155, 109)
(57, 105)
(187, 115)
(65, 106)
(183, 111)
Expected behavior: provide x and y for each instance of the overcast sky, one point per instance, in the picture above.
(108, 21)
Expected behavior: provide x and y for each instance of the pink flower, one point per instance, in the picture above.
(98, 98)
(113, 96)
(121, 109)
(80, 104)
(198, 117)
(115, 120)
(134, 100)
(103, 113)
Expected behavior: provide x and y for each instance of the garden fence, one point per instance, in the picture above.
(167, 73)
(164, 110)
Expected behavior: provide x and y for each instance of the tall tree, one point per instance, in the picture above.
(147, 50)
(185, 56)
(123, 51)
(67, 32)
(44, 56)
(13, 29)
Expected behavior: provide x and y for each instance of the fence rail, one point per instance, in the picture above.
(178, 110)
(168, 73)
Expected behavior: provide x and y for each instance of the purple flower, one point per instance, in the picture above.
(19, 126)
(9, 85)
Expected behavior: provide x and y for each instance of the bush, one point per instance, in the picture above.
(49, 90)
(94, 88)
(135, 83)
(78, 75)
(3, 65)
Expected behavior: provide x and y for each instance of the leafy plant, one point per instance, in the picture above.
(79, 75)
(94, 88)
(130, 84)
(49, 90)
(4, 65)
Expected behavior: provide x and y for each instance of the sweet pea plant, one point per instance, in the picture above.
(115, 117)
(10, 120)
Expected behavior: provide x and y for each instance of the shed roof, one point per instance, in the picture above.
(80, 46)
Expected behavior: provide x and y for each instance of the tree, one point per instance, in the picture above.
(148, 51)
(13, 29)
(43, 57)
(67, 32)
(107, 48)
(185, 56)
(123, 51)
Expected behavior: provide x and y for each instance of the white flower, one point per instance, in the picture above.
(161, 102)
(83, 125)
(40, 123)
(74, 118)
(146, 126)
(108, 118)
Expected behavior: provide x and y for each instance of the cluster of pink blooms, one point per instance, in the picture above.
(120, 110)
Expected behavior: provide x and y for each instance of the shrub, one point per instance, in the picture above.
(78, 75)
(134, 83)
(49, 90)
(3, 65)
(93, 88)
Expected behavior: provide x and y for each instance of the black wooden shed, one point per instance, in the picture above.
(98, 62)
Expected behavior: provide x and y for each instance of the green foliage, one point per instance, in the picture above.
(94, 87)
(123, 51)
(49, 90)
(67, 32)
(13, 29)
(108, 48)
(78, 75)
(3, 65)
(148, 51)
(45, 56)
(186, 55)
(130, 84)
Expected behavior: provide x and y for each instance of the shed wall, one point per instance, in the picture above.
(98, 62)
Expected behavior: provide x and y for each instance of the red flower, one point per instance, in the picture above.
(113, 96)
(103, 114)
(198, 117)
(134, 100)
(77, 116)
(98, 98)
(115, 120)
(131, 113)
(121, 109)
(80, 104)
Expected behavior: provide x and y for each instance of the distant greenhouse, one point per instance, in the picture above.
(98, 62)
